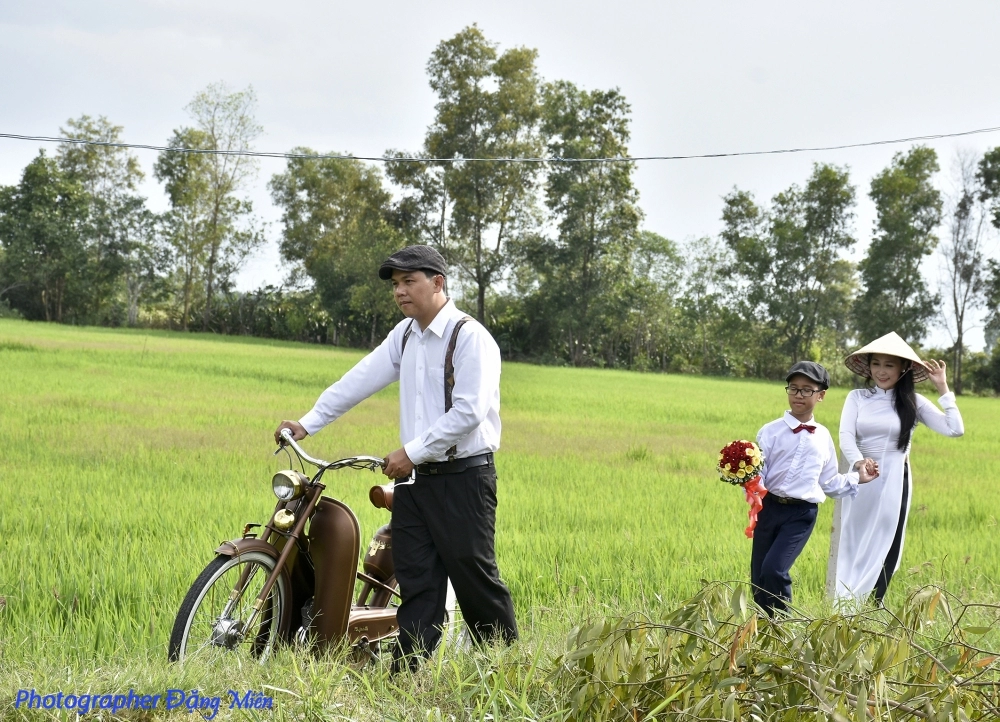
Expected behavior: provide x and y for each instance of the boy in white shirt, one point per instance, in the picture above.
(800, 471)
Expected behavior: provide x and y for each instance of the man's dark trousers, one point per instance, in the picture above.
(443, 527)
(780, 535)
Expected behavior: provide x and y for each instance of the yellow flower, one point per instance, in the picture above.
(741, 474)
(726, 467)
(742, 463)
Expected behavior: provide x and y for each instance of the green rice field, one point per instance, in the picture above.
(127, 456)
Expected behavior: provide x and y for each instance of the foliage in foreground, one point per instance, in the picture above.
(712, 658)
(709, 659)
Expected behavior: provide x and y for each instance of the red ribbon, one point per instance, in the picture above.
(755, 493)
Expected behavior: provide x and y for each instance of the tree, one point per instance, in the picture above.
(894, 293)
(146, 259)
(337, 219)
(964, 282)
(787, 261)
(42, 232)
(586, 270)
(989, 178)
(989, 374)
(105, 171)
(487, 108)
(227, 120)
(991, 293)
(110, 176)
(213, 224)
(988, 175)
(652, 324)
(185, 179)
(705, 307)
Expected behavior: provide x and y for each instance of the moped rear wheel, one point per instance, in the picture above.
(213, 616)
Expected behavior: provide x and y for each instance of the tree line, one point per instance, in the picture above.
(552, 257)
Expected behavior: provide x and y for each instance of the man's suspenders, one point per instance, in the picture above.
(406, 337)
(449, 367)
(449, 374)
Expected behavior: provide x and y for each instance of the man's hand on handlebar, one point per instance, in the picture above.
(298, 433)
(397, 465)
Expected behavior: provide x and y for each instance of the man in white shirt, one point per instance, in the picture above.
(800, 471)
(443, 516)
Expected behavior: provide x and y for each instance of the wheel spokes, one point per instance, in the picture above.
(219, 619)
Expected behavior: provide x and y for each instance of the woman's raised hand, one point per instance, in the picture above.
(936, 373)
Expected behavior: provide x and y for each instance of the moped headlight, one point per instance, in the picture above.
(288, 485)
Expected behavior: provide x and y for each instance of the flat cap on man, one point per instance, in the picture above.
(812, 371)
(413, 258)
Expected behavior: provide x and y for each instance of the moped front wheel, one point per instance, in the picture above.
(217, 617)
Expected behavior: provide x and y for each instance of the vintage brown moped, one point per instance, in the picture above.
(295, 582)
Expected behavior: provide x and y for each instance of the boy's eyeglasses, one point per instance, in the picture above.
(805, 393)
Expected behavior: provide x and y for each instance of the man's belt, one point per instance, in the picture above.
(788, 500)
(454, 467)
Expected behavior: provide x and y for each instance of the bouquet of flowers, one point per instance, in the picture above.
(740, 464)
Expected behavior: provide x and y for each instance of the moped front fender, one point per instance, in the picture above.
(238, 547)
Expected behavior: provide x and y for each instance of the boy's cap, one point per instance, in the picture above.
(812, 371)
(413, 258)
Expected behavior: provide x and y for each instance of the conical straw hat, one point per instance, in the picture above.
(892, 344)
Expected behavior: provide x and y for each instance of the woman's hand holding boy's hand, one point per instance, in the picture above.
(870, 464)
(867, 470)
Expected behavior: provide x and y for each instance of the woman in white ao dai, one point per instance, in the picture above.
(873, 523)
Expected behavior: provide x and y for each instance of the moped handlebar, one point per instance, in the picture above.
(355, 462)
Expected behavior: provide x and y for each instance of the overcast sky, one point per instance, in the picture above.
(701, 77)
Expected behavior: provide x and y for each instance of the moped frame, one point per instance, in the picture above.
(319, 568)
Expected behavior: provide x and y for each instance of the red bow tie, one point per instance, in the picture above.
(805, 427)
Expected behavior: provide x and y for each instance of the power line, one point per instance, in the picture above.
(550, 159)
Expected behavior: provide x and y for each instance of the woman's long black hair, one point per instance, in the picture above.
(904, 402)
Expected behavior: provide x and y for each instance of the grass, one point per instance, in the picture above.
(128, 455)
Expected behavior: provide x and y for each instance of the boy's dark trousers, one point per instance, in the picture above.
(780, 535)
(443, 527)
